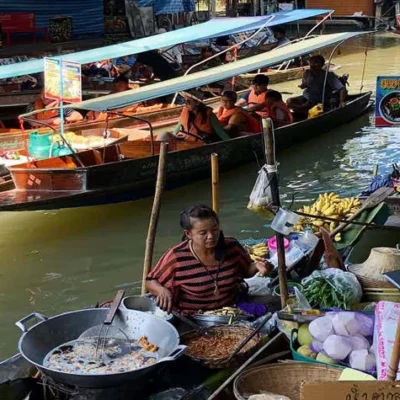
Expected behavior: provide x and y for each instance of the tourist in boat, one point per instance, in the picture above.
(278, 111)
(120, 84)
(313, 85)
(205, 271)
(235, 120)
(197, 123)
(254, 100)
(280, 36)
(49, 116)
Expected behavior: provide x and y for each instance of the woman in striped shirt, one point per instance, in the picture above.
(204, 272)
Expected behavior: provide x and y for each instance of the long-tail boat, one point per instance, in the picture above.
(128, 170)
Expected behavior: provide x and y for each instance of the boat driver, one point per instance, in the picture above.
(205, 271)
(254, 100)
(313, 85)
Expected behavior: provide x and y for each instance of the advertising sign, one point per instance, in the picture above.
(62, 74)
(387, 106)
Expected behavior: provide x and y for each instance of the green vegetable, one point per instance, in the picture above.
(323, 294)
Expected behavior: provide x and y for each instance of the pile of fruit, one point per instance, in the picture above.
(327, 205)
(258, 252)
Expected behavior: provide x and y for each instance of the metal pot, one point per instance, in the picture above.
(40, 339)
(145, 304)
(212, 320)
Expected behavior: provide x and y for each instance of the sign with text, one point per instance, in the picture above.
(360, 390)
(62, 74)
(387, 104)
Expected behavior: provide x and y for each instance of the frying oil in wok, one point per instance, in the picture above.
(118, 356)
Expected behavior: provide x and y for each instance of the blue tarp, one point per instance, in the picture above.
(210, 29)
(277, 56)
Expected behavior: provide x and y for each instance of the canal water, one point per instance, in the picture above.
(51, 262)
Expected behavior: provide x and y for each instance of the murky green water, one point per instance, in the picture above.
(64, 260)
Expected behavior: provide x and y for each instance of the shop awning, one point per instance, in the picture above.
(277, 56)
(207, 30)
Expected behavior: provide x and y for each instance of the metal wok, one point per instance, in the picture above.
(37, 341)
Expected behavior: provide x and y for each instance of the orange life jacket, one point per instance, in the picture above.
(252, 124)
(197, 127)
(272, 113)
(46, 114)
(102, 116)
(259, 99)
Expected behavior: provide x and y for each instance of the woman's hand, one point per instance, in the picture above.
(164, 300)
(263, 267)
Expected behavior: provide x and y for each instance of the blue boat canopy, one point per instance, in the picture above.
(207, 30)
(274, 57)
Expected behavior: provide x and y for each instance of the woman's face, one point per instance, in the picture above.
(192, 104)
(204, 233)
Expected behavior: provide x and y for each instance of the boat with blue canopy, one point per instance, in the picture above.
(128, 170)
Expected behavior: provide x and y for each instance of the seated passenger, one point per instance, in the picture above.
(48, 115)
(278, 111)
(255, 98)
(233, 118)
(313, 85)
(197, 122)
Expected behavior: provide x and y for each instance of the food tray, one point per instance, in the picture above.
(212, 320)
(220, 363)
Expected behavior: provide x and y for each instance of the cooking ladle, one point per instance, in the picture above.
(107, 335)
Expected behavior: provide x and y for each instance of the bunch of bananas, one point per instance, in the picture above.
(328, 205)
(258, 252)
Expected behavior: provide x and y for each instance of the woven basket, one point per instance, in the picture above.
(370, 283)
(218, 363)
(282, 379)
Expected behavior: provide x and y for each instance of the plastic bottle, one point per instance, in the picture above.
(307, 241)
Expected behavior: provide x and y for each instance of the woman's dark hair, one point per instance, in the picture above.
(261, 79)
(203, 212)
(230, 94)
(121, 78)
(280, 29)
(202, 110)
(319, 58)
(273, 94)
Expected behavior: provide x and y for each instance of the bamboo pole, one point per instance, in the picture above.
(155, 213)
(394, 361)
(269, 149)
(215, 182)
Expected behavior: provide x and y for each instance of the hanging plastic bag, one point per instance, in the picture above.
(260, 197)
(258, 286)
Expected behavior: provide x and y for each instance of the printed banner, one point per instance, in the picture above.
(70, 72)
(387, 106)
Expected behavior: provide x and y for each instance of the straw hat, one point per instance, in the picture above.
(380, 260)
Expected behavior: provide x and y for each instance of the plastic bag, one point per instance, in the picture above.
(258, 286)
(344, 283)
(260, 197)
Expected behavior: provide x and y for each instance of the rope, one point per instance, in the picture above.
(365, 64)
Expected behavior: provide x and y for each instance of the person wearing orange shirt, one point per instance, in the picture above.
(277, 109)
(254, 100)
(49, 115)
(234, 119)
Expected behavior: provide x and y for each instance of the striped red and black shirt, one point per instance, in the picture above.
(192, 284)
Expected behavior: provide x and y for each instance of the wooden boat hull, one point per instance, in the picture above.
(274, 76)
(135, 178)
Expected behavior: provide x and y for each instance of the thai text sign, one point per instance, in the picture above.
(62, 74)
(387, 106)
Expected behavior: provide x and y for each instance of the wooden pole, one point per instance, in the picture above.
(215, 182)
(155, 213)
(269, 149)
(394, 361)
